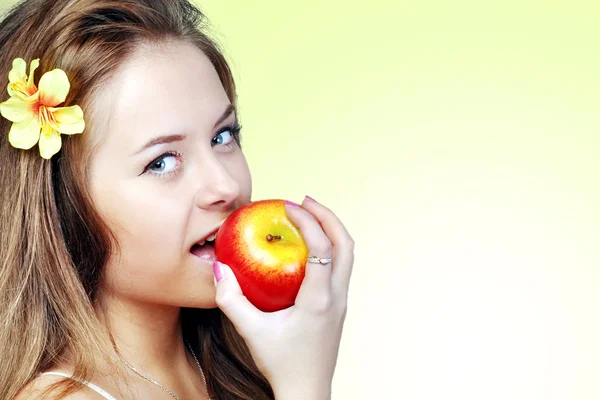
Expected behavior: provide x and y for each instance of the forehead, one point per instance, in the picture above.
(168, 89)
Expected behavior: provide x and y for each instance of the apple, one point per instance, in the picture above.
(265, 251)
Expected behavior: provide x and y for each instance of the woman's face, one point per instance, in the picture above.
(166, 173)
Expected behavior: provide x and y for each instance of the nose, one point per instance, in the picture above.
(218, 188)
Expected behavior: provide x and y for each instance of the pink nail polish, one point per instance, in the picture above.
(218, 271)
(310, 198)
(291, 203)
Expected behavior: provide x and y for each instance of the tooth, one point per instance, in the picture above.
(202, 243)
(211, 237)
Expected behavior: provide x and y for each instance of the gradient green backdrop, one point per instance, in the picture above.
(459, 142)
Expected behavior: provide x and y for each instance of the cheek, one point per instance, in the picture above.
(244, 178)
(149, 233)
(146, 227)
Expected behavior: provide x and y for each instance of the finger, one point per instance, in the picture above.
(317, 277)
(230, 299)
(342, 242)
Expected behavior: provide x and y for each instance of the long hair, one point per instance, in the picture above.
(53, 243)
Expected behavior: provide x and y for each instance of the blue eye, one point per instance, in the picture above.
(223, 138)
(165, 164)
(226, 136)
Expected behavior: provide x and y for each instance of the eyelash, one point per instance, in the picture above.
(234, 130)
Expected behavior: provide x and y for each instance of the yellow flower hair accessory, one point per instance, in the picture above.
(34, 112)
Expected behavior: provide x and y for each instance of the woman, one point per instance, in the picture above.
(102, 292)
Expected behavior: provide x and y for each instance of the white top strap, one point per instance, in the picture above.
(95, 388)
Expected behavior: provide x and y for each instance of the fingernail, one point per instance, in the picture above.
(310, 198)
(291, 203)
(219, 271)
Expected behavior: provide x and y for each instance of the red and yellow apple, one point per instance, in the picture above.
(266, 252)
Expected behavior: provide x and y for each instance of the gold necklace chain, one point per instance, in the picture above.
(173, 395)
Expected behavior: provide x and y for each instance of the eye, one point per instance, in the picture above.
(165, 164)
(227, 136)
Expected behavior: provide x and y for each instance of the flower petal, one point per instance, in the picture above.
(16, 110)
(69, 120)
(17, 77)
(50, 143)
(18, 71)
(54, 87)
(25, 134)
(32, 67)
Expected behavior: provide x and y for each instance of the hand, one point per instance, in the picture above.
(297, 348)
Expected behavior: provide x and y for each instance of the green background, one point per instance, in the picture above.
(459, 143)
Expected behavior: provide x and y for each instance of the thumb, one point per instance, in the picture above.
(230, 299)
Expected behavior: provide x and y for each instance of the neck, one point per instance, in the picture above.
(147, 336)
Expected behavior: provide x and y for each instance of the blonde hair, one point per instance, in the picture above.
(53, 244)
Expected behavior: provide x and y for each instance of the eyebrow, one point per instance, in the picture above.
(175, 138)
(228, 111)
(161, 140)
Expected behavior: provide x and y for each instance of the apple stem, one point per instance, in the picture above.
(271, 238)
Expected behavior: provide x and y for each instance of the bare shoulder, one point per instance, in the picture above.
(36, 387)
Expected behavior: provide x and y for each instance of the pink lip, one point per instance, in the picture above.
(206, 253)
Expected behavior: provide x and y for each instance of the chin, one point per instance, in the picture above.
(203, 296)
(202, 305)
